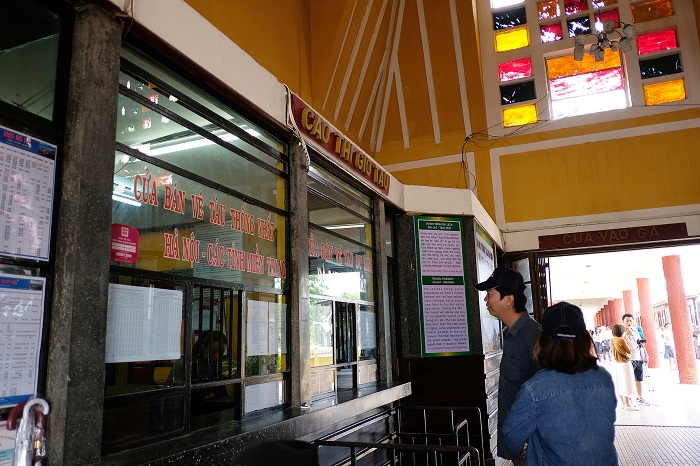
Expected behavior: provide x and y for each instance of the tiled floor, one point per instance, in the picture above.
(666, 433)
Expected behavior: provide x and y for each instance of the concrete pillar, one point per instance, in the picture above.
(648, 323)
(680, 318)
(385, 345)
(78, 322)
(299, 268)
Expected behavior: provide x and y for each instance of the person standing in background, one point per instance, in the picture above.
(505, 300)
(638, 356)
(623, 375)
(669, 346)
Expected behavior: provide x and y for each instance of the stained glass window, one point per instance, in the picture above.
(512, 39)
(652, 9)
(587, 86)
(580, 25)
(603, 16)
(509, 18)
(665, 39)
(551, 32)
(518, 92)
(572, 7)
(548, 10)
(515, 69)
(660, 66)
(661, 93)
(518, 116)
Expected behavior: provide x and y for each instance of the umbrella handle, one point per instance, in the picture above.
(24, 408)
(14, 415)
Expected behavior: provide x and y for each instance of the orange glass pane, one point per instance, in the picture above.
(512, 39)
(548, 10)
(518, 116)
(651, 9)
(661, 93)
(564, 66)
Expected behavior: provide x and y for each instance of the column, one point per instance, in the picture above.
(680, 319)
(615, 317)
(606, 314)
(648, 323)
(78, 323)
(628, 301)
(620, 309)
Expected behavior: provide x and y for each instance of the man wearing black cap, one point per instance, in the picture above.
(505, 300)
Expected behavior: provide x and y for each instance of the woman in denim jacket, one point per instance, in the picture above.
(565, 414)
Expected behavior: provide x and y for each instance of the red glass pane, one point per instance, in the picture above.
(550, 32)
(572, 7)
(586, 84)
(515, 69)
(612, 15)
(656, 41)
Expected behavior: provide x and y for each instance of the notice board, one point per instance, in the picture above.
(442, 286)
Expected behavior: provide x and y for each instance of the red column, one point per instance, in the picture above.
(606, 315)
(680, 318)
(628, 300)
(615, 317)
(648, 323)
(620, 309)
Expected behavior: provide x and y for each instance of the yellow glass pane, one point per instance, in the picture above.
(547, 10)
(661, 93)
(518, 116)
(512, 39)
(652, 9)
(564, 66)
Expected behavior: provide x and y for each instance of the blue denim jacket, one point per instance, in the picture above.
(567, 419)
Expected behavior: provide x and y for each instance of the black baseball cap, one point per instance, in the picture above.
(563, 320)
(504, 277)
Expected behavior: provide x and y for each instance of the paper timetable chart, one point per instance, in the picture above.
(21, 322)
(26, 195)
(143, 324)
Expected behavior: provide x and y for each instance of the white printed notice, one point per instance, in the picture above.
(26, 195)
(443, 295)
(266, 328)
(143, 324)
(21, 320)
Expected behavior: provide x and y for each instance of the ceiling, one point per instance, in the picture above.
(591, 280)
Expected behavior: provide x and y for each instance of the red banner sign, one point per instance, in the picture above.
(640, 234)
(315, 127)
(125, 244)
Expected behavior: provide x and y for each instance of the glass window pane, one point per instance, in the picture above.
(321, 321)
(566, 65)
(342, 222)
(340, 268)
(29, 56)
(583, 105)
(345, 334)
(660, 66)
(184, 227)
(265, 395)
(512, 39)
(548, 10)
(519, 92)
(515, 69)
(661, 93)
(650, 10)
(509, 18)
(612, 15)
(266, 334)
(551, 32)
(572, 7)
(211, 406)
(131, 421)
(518, 116)
(215, 331)
(657, 41)
(504, 3)
(603, 3)
(342, 191)
(586, 84)
(368, 333)
(580, 25)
